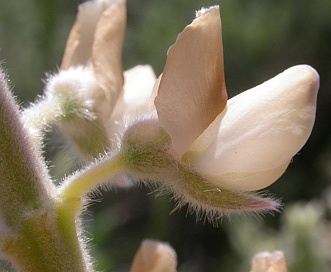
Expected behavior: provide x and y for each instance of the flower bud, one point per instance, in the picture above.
(154, 256)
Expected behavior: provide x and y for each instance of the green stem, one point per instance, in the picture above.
(80, 125)
(42, 243)
(86, 180)
(35, 233)
(39, 116)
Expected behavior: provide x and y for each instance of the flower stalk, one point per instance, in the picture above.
(83, 182)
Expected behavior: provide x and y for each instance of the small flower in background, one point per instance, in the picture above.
(303, 236)
(154, 256)
(85, 97)
(95, 42)
(269, 262)
(80, 97)
(94, 46)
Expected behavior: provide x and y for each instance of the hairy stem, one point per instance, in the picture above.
(79, 124)
(35, 234)
(83, 182)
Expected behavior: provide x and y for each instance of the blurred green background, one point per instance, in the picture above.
(261, 38)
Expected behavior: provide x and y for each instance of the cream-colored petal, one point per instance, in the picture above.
(71, 45)
(135, 99)
(154, 256)
(79, 44)
(192, 89)
(249, 181)
(107, 50)
(262, 128)
(138, 88)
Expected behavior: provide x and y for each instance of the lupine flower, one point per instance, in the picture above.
(228, 147)
(87, 92)
(80, 97)
(253, 139)
(95, 44)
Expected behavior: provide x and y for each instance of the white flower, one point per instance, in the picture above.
(214, 149)
(248, 144)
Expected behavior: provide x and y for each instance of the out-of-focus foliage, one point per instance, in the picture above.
(261, 38)
(304, 236)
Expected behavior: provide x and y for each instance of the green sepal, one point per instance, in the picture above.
(152, 160)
